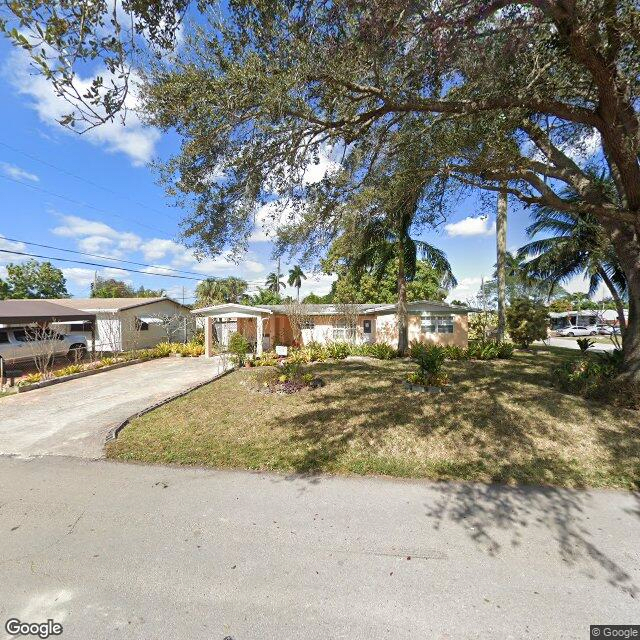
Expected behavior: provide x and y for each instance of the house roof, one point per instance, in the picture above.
(26, 311)
(335, 309)
(111, 304)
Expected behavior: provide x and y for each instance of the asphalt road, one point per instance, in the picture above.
(137, 552)
(570, 343)
(74, 417)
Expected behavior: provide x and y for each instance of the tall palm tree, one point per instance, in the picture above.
(296, 276)
(384, 239)
(273, 283)
(578, 245)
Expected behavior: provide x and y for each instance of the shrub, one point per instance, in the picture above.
(339, 350)
(198, 338)
(593, 377)
(68, 371)
(107, 362)
(430, 360)
(489, 350)
(585, 344)
(379, 350)
(317, 352)
(526, 321)
(31, 378)
(268, 359)
(239, 347)
(298, 356)
(454, 352)
(164, 348)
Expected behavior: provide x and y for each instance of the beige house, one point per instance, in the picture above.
(267, 326)
(123, 324)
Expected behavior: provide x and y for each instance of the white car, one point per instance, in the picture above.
(578, 330)
(22, 344)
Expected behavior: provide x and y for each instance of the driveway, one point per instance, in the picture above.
(113, 550)
(73, 418)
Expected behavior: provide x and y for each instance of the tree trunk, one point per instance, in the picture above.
(403, 325)
(616, 298)
(627, 244)
(501, 247)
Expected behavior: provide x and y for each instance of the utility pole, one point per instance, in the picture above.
(501, 250)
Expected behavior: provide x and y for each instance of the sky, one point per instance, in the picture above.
(96, 193)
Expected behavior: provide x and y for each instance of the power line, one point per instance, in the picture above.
(108, 266)
(95, 255)
(104, 266)
(82, 179)
(82, 204)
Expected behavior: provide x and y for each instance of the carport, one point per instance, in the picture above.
(43, 312)
(232, 311)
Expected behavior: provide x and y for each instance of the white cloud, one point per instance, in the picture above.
(17, 173)
(134, 139)
(97, 237)
(8, 245)
(466, 288)
(471, 226)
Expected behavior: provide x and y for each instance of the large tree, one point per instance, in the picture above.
(33, 279)
(522, 93)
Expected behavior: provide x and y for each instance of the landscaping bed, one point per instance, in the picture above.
(497, 421)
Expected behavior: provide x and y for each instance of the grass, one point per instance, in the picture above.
(499, 421)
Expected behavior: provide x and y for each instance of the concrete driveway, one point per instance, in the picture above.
(73, 418)
(113, 550)
(570, 343)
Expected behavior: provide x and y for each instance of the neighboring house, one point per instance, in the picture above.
(561, 319)
(267, 326)
(123, 324)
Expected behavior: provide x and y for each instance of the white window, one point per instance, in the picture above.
(343, 331)
(432, 323)
(309, 324)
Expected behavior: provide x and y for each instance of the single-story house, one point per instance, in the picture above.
(586, 317)
(123, 324)
(267, 326)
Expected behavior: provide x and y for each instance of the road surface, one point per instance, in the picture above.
(111, 550)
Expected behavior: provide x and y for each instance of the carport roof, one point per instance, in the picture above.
(18, 311)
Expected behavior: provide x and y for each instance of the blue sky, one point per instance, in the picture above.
(95, 193)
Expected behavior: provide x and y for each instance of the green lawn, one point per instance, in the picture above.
(499, 421)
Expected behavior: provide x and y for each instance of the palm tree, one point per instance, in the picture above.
(383, 240)
(273, 283)
(578, 245)
(216, 291)
(296, 276)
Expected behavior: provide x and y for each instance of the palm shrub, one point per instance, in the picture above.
(526, 321)
(430, 360)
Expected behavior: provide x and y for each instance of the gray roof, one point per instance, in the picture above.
(27, 311)
(110, 304)
(332, 309)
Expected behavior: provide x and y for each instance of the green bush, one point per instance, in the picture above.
(379, 350)
(68, 371)
(430, 360)
(268, 359)
(526, 321)
(455, 353)
(239, 347)
(317, 352)
(585, 344)
(592, 376)
(489, 350)
(339, 350)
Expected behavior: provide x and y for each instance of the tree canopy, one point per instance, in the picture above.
(33, 279)
(113, 288)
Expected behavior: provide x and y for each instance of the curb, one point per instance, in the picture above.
(112, 434)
